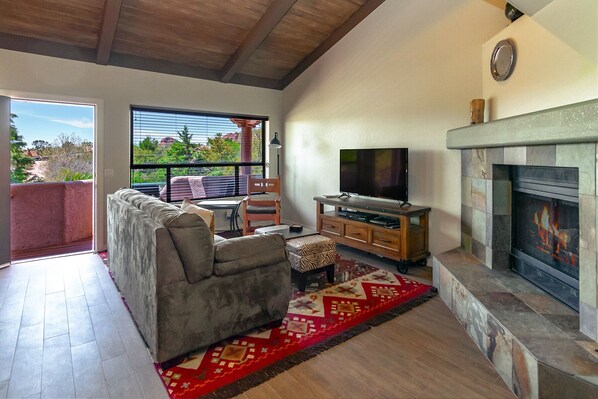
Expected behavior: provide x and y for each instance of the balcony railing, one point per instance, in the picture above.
(50, 218)
(194, 181)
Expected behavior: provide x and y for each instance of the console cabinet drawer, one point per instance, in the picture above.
(356, 232)
(386, 240)
(330, 226)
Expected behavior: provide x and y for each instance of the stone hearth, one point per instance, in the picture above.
(532, 340)
(538, 345)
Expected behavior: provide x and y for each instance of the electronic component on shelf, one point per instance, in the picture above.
(360, 216)
(386, 222)
(356, 215)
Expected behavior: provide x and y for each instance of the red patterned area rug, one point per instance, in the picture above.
(324, 316)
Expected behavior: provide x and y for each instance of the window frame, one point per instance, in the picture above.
(170, 166)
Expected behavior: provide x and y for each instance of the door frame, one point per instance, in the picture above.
(98, 142)
(4, 182)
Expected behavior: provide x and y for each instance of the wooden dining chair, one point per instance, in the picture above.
(257, 205)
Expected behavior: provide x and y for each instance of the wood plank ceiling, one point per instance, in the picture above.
(263, 43)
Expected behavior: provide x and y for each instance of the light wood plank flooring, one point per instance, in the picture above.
(64, 332)
(424, 353)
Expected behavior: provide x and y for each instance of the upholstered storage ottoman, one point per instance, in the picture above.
(309, 255)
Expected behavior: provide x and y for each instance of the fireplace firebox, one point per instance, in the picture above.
(545, 229)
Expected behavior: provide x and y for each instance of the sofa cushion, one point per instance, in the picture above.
(195, 246)
(126, 193)
(168, 215)
(245, 253)
(206, 214)
(190, 234)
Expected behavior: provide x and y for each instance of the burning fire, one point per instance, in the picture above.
(549, 232)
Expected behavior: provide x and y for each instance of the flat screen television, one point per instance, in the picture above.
(377, 172)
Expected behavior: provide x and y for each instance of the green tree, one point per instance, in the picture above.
(181, 151)
(86, 146)
(175, 153)
(19, 162)
(69, 158)
(142, 156)
(148, 151)
(40, 146)
(219, 149)
(187, 145)
(148, 144)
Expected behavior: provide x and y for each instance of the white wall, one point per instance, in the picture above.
(117, 89)
(402, 77)
(556, 60)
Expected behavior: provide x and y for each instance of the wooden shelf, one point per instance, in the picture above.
(406, 244)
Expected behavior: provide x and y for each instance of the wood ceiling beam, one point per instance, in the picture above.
(44, 47)
(255, 37)
(337, 35)
(171, 68)
(109, 22)
(256, 81)
(76, 53)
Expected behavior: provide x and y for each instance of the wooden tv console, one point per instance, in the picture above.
(353, 223)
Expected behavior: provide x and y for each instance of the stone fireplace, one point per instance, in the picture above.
(486, 187)
(528, 235)
(545, 229)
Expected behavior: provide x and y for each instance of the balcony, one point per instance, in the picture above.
(49, 219)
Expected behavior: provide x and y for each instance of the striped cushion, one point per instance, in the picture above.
(310, 245)
(312, 262)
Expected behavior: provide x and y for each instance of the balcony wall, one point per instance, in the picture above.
(50, 214)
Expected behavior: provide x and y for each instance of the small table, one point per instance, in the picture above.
(309, 252)
(233, 205)
(286, 233)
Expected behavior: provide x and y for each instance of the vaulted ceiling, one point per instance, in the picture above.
(263, 43)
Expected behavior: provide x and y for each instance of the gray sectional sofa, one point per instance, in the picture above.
(186, 289)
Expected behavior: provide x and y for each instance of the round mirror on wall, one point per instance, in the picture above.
(502, 61)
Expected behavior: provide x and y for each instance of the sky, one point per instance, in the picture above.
(38, 120)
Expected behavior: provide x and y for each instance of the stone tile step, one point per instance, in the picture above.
(532, 340)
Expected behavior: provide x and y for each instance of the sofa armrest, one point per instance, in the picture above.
(245, 253)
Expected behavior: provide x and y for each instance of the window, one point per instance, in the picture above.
(177, 154)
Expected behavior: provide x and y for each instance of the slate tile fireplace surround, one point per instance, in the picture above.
(540, 347)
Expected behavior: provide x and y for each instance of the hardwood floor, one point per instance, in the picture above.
(424, 353)
(64, 332)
